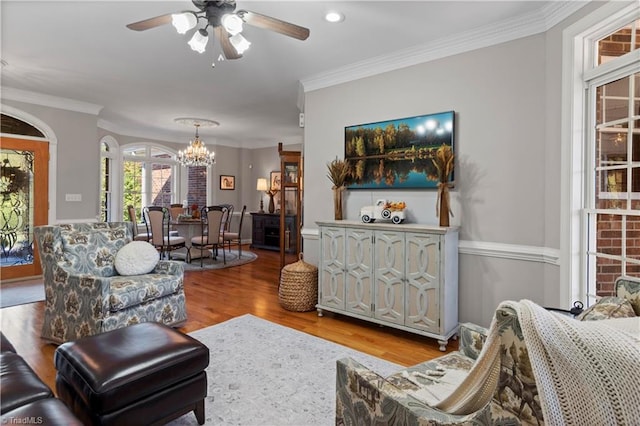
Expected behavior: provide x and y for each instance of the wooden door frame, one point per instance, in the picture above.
(40, 148)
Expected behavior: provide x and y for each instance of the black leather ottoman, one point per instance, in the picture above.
(143, 374)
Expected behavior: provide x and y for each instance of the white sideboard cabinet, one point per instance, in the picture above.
(402, 276)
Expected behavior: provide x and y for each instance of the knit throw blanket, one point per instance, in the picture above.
(587, 372)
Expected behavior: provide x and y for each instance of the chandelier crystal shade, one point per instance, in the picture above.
(196, 153)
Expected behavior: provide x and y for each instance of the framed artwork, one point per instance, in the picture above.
(227, 182)
(398, 153)
(276, 181)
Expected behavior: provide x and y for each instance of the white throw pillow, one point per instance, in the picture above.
(136, 258)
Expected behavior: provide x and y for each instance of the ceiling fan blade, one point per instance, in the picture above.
(227, 48)
(273, 24)
(147, 24)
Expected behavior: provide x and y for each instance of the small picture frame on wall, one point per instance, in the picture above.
(276, 181)
(227, 182)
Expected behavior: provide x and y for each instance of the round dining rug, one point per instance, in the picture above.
(233, 258)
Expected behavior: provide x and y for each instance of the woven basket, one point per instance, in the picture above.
(298, 286)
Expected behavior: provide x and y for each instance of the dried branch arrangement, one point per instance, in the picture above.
(443, 161)
(338, 172)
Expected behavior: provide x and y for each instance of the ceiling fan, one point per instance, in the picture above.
(221, 15)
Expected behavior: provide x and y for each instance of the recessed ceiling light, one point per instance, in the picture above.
(334, 17)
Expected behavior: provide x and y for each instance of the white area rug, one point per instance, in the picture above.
(263, 373)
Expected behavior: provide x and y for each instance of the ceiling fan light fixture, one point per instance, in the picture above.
(239, 43)
(183, 22)
(232, 23)
(199, 41)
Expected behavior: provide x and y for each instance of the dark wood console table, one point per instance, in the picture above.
(266, 232)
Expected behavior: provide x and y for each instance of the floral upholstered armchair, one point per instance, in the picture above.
(85, 295)
(510, 395)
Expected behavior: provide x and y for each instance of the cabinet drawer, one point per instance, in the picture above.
(272, 221)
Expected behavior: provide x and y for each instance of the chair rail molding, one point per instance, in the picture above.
(547, 255)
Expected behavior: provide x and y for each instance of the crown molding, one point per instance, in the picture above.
(147, 134)
(507, 30)
(142, 133)
(35, 98)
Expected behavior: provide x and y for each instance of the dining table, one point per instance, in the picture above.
(187, 229)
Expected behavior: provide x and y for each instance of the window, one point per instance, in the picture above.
(132, 194)
(108, 150)
(149, 174)
(611, 238)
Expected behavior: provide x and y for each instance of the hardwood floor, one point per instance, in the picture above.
(215, 296)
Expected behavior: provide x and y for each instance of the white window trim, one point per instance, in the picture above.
(177, 184)
(112, 154)
(576, 66)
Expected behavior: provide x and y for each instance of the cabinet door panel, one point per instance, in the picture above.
(332, 291)
(359, 286)
(423, 281)
(389, 284)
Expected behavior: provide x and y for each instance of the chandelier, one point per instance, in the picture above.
(196, 153)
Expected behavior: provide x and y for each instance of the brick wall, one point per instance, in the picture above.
(197, 186)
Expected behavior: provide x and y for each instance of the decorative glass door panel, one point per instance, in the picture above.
(290, 205)
(23, 204)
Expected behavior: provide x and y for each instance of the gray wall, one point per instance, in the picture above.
(507, 191)
(263, 161)
(507, 100)
(78, 154)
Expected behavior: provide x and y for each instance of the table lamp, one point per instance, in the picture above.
(262, 186)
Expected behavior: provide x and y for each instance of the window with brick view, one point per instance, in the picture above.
(614, 217)
(619, 43)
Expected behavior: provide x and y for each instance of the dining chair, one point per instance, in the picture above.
(226, 224)
(176, 210)
(211, 223)
(158, 220)
(235, 237)
(133, 217)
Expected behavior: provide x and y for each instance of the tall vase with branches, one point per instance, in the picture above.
(443, 161)
(338, 175)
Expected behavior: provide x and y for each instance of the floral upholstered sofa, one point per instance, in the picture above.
(408, 397)
(84, 295)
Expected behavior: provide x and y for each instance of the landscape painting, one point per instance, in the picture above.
(397, 153)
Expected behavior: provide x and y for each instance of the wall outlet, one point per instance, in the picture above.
(73, 197)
